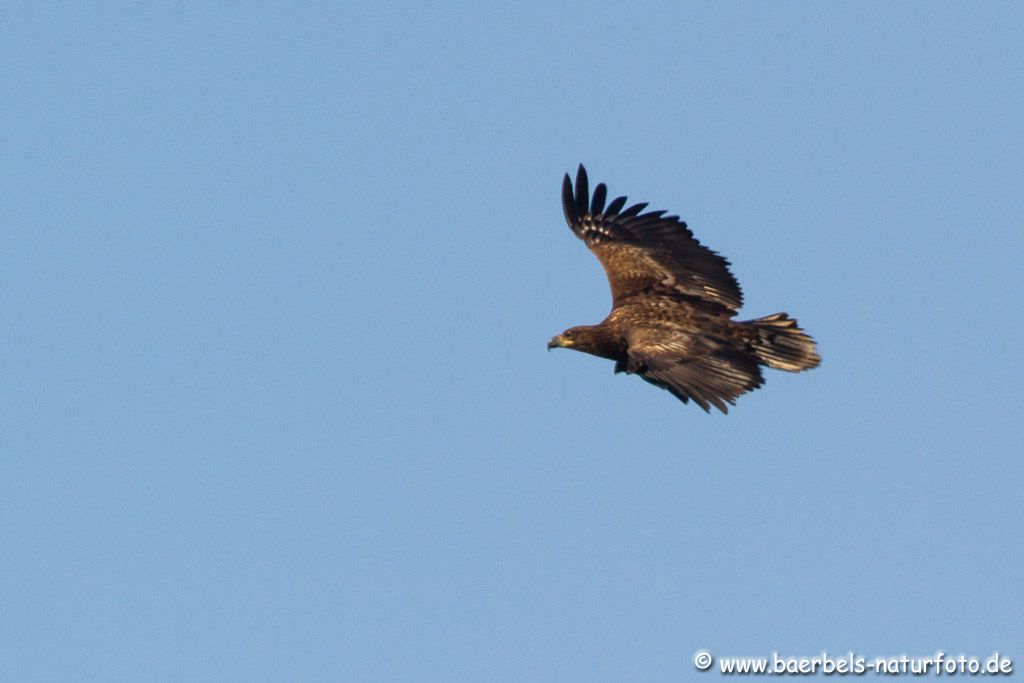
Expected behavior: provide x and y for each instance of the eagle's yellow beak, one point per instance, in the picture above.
(558, 341)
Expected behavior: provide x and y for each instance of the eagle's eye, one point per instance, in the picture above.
(569, 334)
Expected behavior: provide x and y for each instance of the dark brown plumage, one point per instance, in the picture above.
(673, 301)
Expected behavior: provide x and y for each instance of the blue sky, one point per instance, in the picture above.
(276, 285)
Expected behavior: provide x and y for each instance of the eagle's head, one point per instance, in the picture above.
(567, 339)
(593, 339)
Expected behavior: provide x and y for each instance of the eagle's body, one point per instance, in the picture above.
(673, 301)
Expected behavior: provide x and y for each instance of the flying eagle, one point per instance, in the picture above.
(673, 301)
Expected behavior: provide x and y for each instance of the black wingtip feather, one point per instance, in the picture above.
(615, 206)
(634, 210)
(569, 202)
(597, 203)
(582, 191)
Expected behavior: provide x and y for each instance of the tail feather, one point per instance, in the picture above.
(780, 343)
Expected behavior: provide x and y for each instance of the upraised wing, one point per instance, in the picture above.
(646, 253)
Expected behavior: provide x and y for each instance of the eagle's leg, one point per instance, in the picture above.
(630, 365)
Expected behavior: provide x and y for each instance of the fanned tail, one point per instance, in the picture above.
(780, 343)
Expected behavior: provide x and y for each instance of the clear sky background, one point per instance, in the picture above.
(276, 282)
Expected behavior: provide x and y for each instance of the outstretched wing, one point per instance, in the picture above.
(692, 366)
(646, 253)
